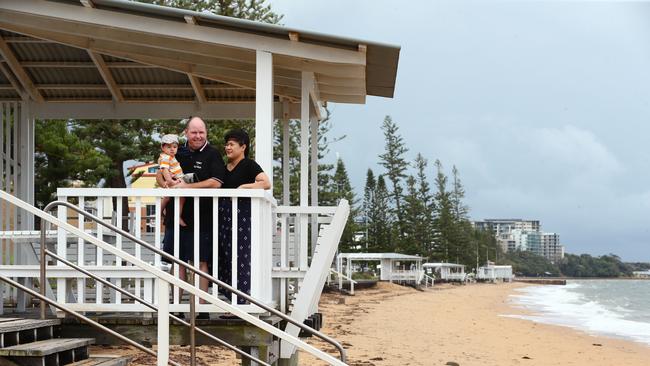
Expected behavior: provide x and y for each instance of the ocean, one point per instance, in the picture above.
(615, 308)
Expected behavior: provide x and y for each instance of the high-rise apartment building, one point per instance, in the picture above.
(519, 234)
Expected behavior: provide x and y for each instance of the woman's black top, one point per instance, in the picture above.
(244, 172)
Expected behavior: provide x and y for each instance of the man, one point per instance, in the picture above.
(198, 158)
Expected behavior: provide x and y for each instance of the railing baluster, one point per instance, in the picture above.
(215, 242)
(137, 227)
(100, 253)
(176, 224)
(118, 243)
(81, 259)
(61, 250)
(284, 236)
(256, 267)
(234, 245)
(156, 232)
(197, 245)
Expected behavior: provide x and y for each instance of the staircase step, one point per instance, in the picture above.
(46, 347)
(16, 325)
(103, 360)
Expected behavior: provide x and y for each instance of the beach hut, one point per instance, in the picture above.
(447, 272)
(112, 60)
(641, 274)
(393, 267)
(494, 273)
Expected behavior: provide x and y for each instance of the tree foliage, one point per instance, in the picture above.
(394, 161)
(244, 9)
(63, 158)
(585, 265)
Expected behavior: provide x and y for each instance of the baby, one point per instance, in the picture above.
(170, 169)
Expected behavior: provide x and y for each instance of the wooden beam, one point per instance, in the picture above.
(294, 36)
(18, 71)
(198, 90)
(285, 76)
(173, 61)
(335, 81)
(12, 80)
(335, 98)
(165, 109)
(229, 45)
(106, 75)
(125, 27)
(83, 64)
(343, 90)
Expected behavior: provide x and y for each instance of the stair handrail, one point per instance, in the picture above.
(45, 299)
(161, 275)
(427, 278)
(196, 270)
(153, 307)
(171, 280)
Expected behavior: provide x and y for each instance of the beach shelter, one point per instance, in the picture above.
(112, 59)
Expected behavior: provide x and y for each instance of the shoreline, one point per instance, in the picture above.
(466, 325)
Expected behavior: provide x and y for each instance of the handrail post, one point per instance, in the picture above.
(43, 261)
(162, 289)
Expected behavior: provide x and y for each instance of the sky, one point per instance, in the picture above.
(543, 106)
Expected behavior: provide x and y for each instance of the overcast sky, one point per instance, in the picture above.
(542, 106)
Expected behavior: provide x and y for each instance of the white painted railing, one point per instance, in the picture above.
(291, 250)
(428, 279)
(145, 214)
(163, 281)
(405, 275)
(340, 276)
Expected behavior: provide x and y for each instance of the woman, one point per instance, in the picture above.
(241, 172)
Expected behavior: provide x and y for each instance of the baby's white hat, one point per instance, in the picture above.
(169, 139)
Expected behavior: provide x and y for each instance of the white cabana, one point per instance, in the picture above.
(494, 273)
(450, 272)
(110, 60)
(394, 267)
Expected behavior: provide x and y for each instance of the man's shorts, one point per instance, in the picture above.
(186, 244)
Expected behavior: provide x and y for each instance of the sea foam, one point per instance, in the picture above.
(612, 308)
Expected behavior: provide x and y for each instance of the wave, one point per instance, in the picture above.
(568, 306)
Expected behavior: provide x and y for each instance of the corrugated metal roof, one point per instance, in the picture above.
(65, 76)
(48, 51)
(61, 71)
(148, 76)
(381, 59)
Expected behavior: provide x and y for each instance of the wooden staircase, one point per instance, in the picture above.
(34, 342)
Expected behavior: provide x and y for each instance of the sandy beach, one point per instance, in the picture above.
(446, 325)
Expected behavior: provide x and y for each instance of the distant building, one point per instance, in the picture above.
(505, 226)
(526, 235)
(145, 177)
(641, 274)
(551, 247)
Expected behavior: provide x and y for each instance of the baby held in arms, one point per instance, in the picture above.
(170, 169)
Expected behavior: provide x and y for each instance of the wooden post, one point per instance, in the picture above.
(264, 112)
(306, 86)
(314, 181)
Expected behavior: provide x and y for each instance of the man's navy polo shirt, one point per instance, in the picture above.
(204, 163)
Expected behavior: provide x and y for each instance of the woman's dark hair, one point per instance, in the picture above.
(239, 136)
